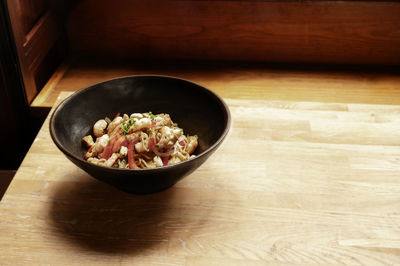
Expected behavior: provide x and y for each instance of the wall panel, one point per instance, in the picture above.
(349, 32)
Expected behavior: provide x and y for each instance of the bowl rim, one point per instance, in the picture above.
(140, 170)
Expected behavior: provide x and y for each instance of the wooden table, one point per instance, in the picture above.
(295, 182)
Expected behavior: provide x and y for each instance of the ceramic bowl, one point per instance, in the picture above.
(196, 109)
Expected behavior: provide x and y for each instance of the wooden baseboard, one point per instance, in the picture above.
(40, 100)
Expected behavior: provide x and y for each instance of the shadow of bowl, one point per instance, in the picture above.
(97, 217)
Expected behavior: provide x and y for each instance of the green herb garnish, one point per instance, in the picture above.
(152, 117)
(126, 125)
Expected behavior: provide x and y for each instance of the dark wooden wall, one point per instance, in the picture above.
(39, 38)
(16, 130)
(30, 11)
(344, 32)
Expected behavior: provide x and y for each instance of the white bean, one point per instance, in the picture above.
(99, 127)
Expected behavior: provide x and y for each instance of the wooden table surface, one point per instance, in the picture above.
(295, 182)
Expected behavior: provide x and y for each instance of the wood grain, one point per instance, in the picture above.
(30, 11)
(238, 81)
(37, 35)
(295, 183)
(346, 32)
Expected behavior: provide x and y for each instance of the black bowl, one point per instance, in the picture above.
(196, 109)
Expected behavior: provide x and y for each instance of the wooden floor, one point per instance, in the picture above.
(241, 81)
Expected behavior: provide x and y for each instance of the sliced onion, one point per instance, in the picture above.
(164, 154)
(143, 163)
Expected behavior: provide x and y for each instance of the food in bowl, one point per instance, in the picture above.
(198, 110)
(138, 141)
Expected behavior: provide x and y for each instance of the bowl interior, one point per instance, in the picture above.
(195, 109)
